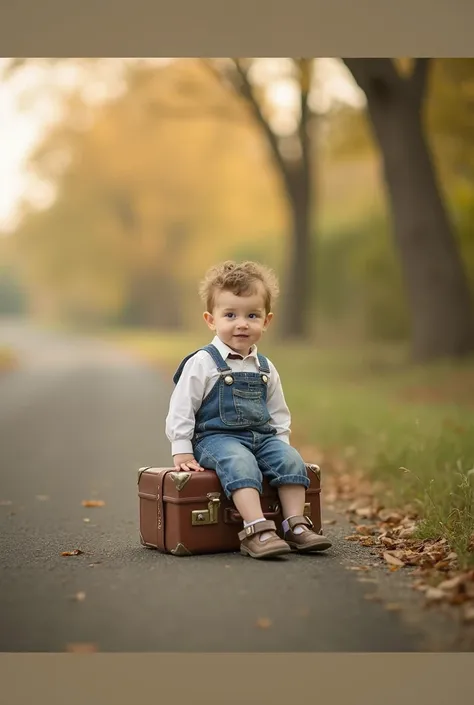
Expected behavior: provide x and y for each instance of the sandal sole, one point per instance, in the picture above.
(314, 548)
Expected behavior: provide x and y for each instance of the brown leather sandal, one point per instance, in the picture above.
(308, 540)
(252, 546)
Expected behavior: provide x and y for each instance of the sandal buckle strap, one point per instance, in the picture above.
(257, 528)
(294, 521)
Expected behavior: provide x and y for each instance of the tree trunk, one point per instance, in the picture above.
(300, 264)
(438, 293)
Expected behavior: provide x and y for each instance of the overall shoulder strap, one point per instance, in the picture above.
(179, 371)
(213, 352)
(221, 364)
(263, 363)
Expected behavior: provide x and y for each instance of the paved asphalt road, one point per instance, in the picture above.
(76, 421)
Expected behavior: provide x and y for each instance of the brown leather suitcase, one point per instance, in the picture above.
(187, 513)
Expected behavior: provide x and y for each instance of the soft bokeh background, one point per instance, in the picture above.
(122, 180)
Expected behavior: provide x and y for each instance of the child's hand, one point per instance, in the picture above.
(186, 461)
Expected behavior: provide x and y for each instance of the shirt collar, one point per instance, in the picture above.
(225, 350)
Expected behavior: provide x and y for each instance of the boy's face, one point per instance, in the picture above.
(239, 321)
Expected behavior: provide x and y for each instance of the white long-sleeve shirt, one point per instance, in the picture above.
(198, 377)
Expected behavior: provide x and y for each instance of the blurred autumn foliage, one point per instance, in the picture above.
(174, 173)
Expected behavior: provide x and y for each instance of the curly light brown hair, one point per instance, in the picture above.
(241, 279)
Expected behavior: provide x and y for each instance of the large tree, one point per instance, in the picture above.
(438, 293)
(292, 158)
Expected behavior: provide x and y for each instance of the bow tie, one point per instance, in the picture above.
(231, 356)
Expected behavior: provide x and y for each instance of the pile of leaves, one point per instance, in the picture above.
(392, 535)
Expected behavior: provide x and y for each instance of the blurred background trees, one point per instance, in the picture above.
(365, 208)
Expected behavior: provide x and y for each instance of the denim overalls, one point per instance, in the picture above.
(233, 435)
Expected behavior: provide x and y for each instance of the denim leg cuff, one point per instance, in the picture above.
(240, 484)
(290, 480)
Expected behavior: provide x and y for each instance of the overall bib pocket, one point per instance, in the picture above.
(243, 407)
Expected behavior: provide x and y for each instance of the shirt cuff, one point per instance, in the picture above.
(182, 446)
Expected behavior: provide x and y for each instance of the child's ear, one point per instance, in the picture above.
(209, 318)
(268, 318)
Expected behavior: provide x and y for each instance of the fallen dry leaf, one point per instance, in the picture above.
(75, 552)
(389, 543)
(5, 502)
(393, 606)
(451, 584)
(86, 520)
(389, 517)
(373, 597)
(365, 512)
(42, 497)
(468, 613)
(79, 596)
(391, 531)
(392, 560)
(264, 623)
(434, 594)
(407, 533)
(93, 503)
(81, 648)
(329, 521)
(367, 542)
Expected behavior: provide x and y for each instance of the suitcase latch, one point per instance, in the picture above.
(209, 515)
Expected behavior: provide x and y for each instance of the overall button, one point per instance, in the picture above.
(264, 378)
(228, 379)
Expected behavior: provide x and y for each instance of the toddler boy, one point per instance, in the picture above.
(228, 412)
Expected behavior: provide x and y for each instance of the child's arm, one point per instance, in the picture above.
(184, 403)
(277, 407)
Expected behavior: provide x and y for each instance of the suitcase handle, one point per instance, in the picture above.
(232, 516)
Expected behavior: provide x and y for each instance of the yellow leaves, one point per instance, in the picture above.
(93, 503)
(8, 360)
(175, 150)
(74, 552)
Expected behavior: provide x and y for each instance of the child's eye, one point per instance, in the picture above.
(253, 315)
(229, 315)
